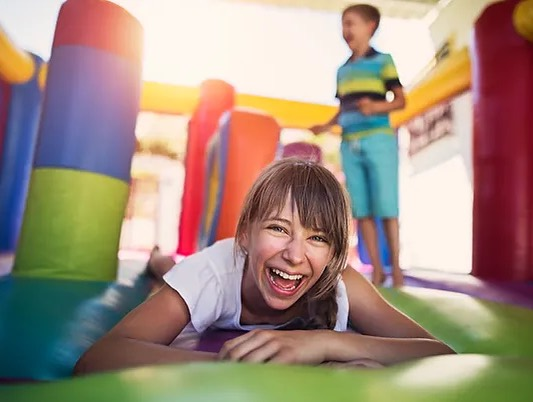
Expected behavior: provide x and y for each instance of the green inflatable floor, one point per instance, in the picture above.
(467, 324)
(45, 325)
(447, 378)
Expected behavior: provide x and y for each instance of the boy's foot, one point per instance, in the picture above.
(155, 251)
(149, 269)
(397, 278)
(378, 277)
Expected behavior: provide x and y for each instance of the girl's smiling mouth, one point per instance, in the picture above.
(282, 282)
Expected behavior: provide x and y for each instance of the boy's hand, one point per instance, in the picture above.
(286, 347)
(366, 106)
(319, 129)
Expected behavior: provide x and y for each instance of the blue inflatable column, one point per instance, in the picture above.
(20, 138)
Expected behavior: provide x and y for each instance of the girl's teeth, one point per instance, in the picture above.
(285, 275)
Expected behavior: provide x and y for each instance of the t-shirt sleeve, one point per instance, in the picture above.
(390, 74)
(195, 280)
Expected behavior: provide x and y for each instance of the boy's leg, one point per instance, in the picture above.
(353, 164)
(392, 231)
(382, 153)
(369, 232)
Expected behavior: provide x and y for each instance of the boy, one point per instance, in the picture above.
(369, 147)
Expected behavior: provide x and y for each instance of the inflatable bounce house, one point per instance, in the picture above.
(67, 139)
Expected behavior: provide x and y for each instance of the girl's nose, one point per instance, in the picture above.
(294, 251)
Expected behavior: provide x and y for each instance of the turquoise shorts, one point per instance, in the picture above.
(370, 165)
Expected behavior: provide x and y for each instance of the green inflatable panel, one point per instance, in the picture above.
(436, 379)
(467, 324)
(46, 324)
(71, 226)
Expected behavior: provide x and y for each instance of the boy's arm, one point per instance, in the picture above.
(389, 75)
(368, 107)
(320, 128)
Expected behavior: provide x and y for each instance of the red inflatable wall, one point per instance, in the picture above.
(502, 86)
(252, 144)
(216, 97)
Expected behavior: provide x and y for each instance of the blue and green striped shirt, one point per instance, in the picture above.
(372, 76)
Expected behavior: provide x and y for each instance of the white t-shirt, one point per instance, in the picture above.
(210, 284)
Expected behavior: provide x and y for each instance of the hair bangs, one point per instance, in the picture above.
(312, 198)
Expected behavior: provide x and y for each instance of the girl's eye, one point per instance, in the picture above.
(277, 228)
(320, 239)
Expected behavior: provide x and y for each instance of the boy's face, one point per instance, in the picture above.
(356, 31)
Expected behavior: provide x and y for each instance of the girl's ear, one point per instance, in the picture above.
(244, 242)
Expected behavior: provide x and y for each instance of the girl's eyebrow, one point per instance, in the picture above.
(288, 222)
(278, 219)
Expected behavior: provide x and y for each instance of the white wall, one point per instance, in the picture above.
(436, 202)
(456, 20)
(170, 194)
(436, 183)
(162, 229)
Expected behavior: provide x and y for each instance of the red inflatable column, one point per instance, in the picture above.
(216, 97)
(502, 87)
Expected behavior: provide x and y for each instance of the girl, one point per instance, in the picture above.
(285, 269)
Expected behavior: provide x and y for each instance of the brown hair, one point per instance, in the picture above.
(322, 203)
(368, 12)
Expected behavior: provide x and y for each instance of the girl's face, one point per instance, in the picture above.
(285, 259)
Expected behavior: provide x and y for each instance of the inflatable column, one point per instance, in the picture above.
(303, 150)
(80, 181)
(5, 94)
(20, 106)
(216, 97)
(16, 159)
(502, 86)
(248, 143)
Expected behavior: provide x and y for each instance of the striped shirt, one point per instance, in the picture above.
(372, 76)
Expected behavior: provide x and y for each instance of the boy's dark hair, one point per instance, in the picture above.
(366, 11)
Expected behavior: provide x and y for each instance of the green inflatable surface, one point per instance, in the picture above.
(445, 378)
(72, 224)
(467, 324)
(45, 325)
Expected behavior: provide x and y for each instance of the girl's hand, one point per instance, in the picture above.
(286, 347)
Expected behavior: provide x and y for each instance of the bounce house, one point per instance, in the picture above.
(67, 140)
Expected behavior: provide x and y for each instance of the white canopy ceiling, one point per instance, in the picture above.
(389, 8)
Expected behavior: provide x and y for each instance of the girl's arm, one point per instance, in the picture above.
(385, 334)
(143, 336)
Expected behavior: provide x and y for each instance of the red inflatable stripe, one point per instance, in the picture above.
(99, 24)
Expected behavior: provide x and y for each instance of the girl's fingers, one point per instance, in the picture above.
(231, 344)
(241, 346)
(263, 353)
